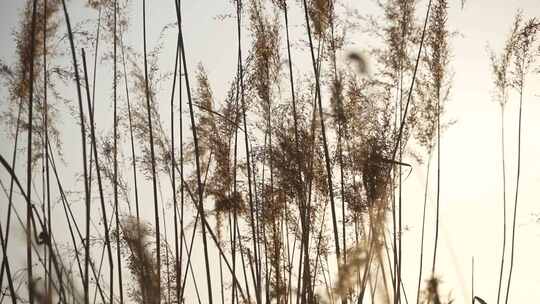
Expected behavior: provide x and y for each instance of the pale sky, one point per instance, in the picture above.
(471, 203)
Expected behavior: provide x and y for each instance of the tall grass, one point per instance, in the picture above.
(290, 187)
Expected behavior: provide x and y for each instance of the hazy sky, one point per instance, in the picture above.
(471, 204)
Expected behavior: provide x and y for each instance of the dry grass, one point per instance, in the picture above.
(289, 185)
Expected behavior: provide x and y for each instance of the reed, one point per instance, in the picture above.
(290, 185)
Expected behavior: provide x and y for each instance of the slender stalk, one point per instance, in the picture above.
(324, 139)
(180, 135)
(305, 212)
(472, 280)
(235, 160)
(438, 182)
(100, 185)
(29, 159)
(131, 137)
(79, 95)
(152, 156)
(291, 76)
(304, 271)
(300, 196)
(221, 280)
(173, 172)
(46, 144)
(394, 239)
(115, 161)
(96, 54)
(246, 143)
(197, 160)
(512, 246)
(423, 230)
(504, 204)
(340, 129)
(86, 291)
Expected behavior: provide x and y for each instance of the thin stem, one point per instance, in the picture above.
(29, 159)
(504, 204)
(438, 183)
(45, 145)
(246, 143)
(423, 230)
(115, 169)
(197, 159)
(104, 217)
(324, 139)
(173, 172)
(512, 248)
(152, 156)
